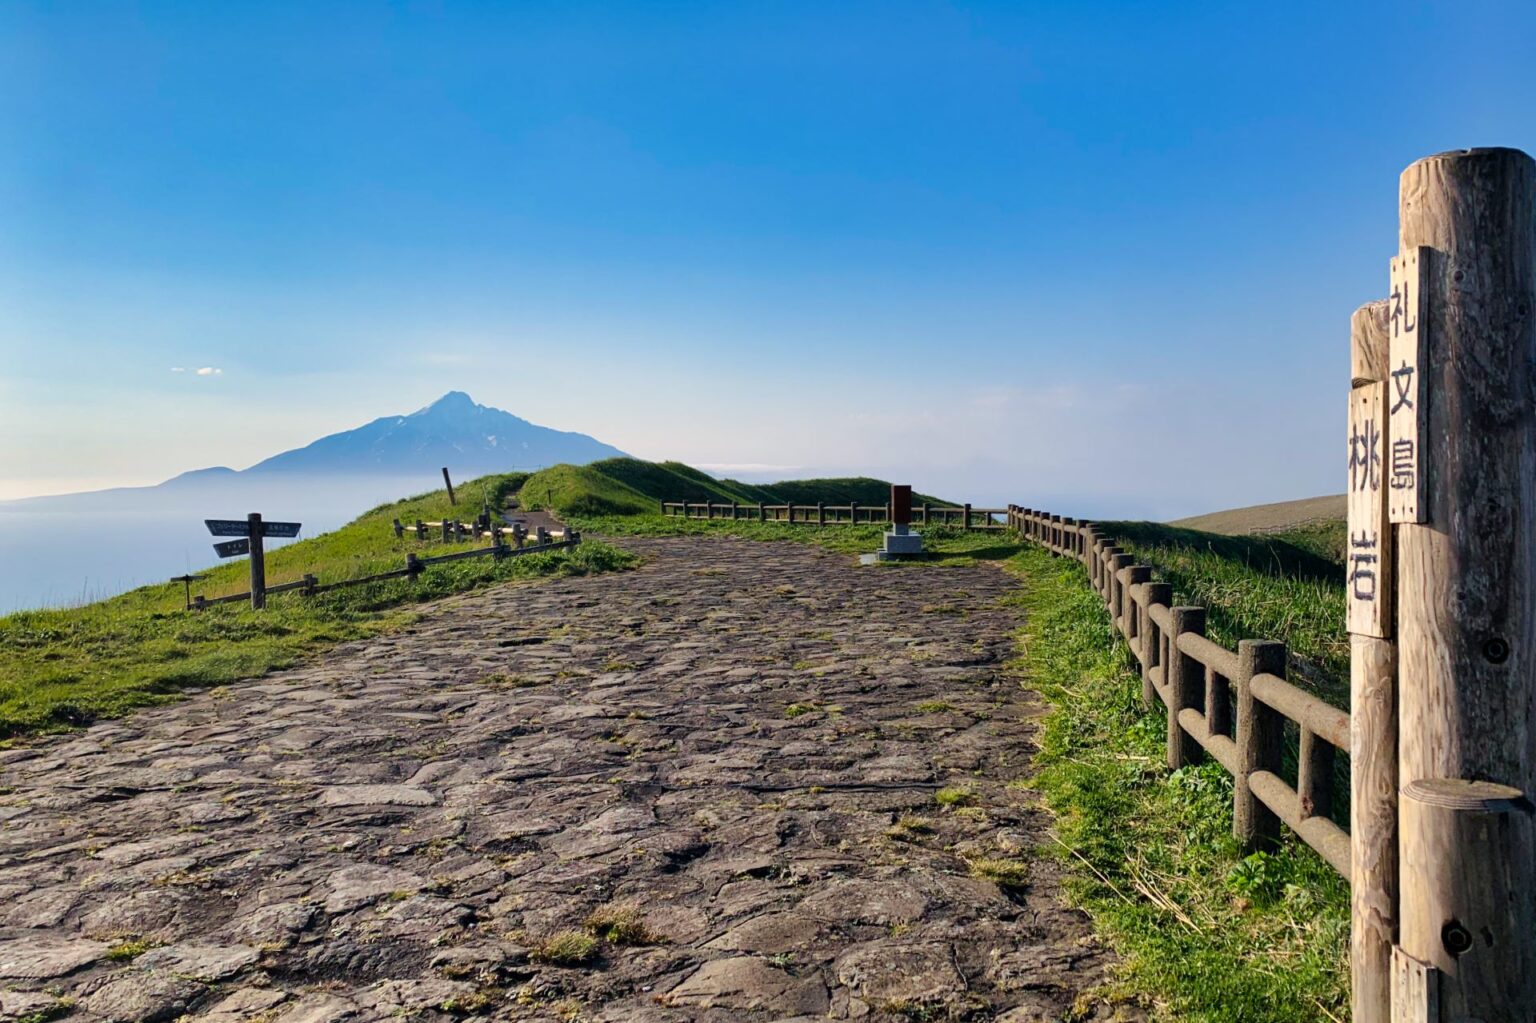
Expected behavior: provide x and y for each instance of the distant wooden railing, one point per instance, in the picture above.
(964, 516)
(1232, 705)
(309, 586)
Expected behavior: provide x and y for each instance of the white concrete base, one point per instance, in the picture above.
(899, 543)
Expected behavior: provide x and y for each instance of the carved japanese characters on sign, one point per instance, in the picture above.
(1405, 388)
(1368, 583)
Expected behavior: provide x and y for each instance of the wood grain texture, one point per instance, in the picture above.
(1260, 743)
(1467, 575)
(1368, 344)
(1372, 824)
(1373, 751)
(1466, 850)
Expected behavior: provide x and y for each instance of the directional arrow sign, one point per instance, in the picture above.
(232, 548)
(280, 528)
(228, 527)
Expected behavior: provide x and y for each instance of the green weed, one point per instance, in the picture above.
(567, 948)
(954, 797)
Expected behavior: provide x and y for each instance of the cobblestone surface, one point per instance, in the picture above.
(732, 752)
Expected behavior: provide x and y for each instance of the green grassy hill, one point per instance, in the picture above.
(630, 486)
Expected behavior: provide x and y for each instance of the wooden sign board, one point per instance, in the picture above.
(1368, 576)
(1406, 406)
(232, 548)
(242, 527)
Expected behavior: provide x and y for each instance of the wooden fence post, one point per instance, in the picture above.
(1373, 752)
(399, 529)
(965, 517)
(762, 511)
(1260, 743)
(734, 511)
(1117, 589)
(413, 566)
(853, 513)
(1135, 576)
(1467, 585)
(258, 561)
(1185, 678)
(821, 513)
(1151, 639)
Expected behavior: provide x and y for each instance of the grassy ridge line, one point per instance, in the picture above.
(1211, 935)
(66, 667)
(630, 486)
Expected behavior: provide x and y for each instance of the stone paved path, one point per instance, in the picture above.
(732, 754)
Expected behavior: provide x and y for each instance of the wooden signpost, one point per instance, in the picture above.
(1462, 347)
(252, 532)
(1373, 685)
(187, 581)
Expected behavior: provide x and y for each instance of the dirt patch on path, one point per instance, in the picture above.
(731, 756)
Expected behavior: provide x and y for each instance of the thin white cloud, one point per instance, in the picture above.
(178, 369)
(744, 467)
(209, 371)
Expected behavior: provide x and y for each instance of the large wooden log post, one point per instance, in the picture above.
(1467, 588)
(1373, 752)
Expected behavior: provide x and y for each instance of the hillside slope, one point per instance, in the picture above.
(67, 666)
(1268, 518)
(631, 486)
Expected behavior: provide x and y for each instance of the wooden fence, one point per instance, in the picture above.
(820, 514)
(309, 586)
(1232, 705)
(453, 531)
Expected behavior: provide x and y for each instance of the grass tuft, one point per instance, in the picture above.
(567, 948)
(620, 924)
(1007, 873)
(955, 797)
(128, 950)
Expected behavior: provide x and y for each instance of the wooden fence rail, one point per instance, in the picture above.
(309, 586)
(1232, 705)
(820, 514)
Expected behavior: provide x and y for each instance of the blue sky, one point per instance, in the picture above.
(1098, 258)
